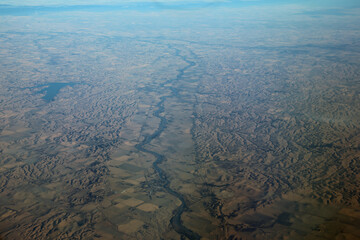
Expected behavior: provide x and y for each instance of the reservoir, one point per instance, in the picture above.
(51, 90)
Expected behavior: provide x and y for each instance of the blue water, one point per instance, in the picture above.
(52, 89)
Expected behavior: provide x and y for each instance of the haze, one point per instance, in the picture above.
(180, 119)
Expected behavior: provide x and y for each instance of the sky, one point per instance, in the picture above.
(322, 3)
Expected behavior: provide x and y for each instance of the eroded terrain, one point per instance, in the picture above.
(120, 125)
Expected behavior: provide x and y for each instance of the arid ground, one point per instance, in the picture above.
(208, 120)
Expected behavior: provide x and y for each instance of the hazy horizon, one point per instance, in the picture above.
(179, 119)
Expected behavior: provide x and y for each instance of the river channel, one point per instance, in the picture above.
(175, 221)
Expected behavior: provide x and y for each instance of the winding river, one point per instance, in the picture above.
(175, 221)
